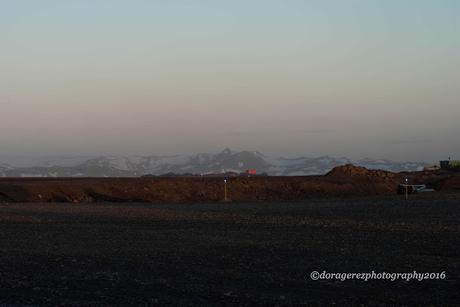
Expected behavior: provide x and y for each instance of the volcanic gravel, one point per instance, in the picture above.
(230, 253)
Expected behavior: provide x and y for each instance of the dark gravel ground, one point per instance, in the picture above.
(228, 253)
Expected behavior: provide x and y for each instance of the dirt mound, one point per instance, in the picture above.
(351, 172)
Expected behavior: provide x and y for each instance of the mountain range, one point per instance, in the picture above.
(203, 163)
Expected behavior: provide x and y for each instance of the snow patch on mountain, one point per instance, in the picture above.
(202, 163)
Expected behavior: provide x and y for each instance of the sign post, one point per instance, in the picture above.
(407, 192)
(225, 190)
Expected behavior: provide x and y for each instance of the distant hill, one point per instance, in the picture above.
(203, 163)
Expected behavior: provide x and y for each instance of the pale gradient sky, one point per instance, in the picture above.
(361, 78)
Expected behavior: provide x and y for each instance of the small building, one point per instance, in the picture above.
(450, 164)
(444, 164)
(251, 172)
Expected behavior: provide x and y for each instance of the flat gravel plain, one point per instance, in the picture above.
(230, 253)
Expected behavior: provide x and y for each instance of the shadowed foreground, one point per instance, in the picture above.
(226, 253)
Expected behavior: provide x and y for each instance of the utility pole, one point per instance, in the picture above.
(225, 190)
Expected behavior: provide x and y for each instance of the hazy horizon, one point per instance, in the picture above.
(26, 160)
(376, 79)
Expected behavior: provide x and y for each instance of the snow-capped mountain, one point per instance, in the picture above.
(204, 163)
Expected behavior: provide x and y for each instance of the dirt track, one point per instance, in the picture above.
(221, 253)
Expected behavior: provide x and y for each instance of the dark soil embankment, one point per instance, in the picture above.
(342, 181)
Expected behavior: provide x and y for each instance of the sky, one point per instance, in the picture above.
(357, 78)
